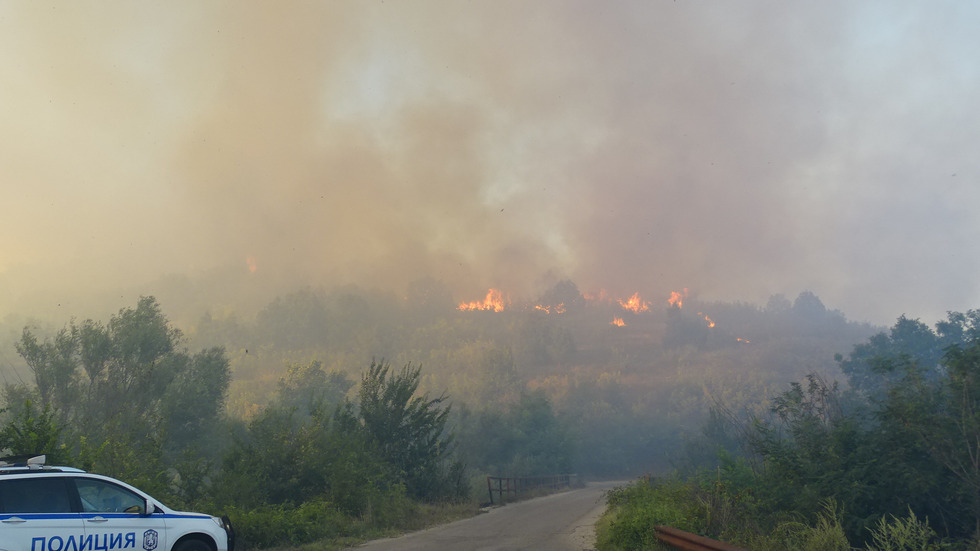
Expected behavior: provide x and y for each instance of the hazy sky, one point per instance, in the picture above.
(739, 149)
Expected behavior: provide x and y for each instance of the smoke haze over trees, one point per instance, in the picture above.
(887, 460)
(220, 156)
(647, 208)
(532, 388)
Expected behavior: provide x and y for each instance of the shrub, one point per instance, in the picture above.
(902, 534)
(639, 507)
(826, 535)
(271, 525)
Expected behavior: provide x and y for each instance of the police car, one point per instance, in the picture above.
(45, 508)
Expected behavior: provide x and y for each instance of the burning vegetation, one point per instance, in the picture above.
(537, 386)
(493, 302)
(635, 304)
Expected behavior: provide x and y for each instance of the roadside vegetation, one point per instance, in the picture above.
(889, 461)
(326, 418)
(124, 399)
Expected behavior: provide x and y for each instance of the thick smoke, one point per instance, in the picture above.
(740, 150)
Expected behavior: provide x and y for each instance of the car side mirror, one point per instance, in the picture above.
(150, 508)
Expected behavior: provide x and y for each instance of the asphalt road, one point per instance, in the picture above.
(559, 522)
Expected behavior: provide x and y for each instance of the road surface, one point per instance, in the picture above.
(559, 522)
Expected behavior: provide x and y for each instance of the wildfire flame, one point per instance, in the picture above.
(743, 341)
(677, 298)
(707, 319)
(494, 302)
(635, 304)
(548, 309)
(618, 322)
(251, 263)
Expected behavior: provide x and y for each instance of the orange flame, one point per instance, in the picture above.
(494, 302)
(743, 341)
(707, 319)
(677, 298)
(548, 309)
(618, 322)
(635, 304)
(251, 263)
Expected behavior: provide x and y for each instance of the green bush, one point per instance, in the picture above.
(637, 508)
(826, 535)
(271, 525)
(902, 534)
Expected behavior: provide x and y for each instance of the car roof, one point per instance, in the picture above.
(27, 464)
(30, 470)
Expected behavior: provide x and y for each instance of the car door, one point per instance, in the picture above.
(115, 517)
(36, 514)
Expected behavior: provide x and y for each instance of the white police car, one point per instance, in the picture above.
(64, 509)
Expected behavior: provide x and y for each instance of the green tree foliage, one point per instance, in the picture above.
(875, 365)
(309, 446)
(279, 459)
(813, 451)
(126, 385)
(941, 416)
(33, 431)
(307, 388)
(526, 439)
(295, 321)
(905, 441)
(290, 479)
(408, 429)
(901, 534)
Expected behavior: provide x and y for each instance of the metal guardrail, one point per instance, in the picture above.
(686, 541)
(519, 484)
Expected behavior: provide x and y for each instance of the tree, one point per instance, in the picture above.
(808, 305)
(872, 366)
(307, 388)
(943, 415)
(526, 439)
(298, 320)
(778, 304)
(126, 385)
(564, 293)
(907, 441)
(33, 431)
(298, 450)
(54, 364)
(193, 400)
(408, 430)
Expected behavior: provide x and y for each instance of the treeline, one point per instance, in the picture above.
(888, 461)
(127, 400)
(656, 376)
(284, 419)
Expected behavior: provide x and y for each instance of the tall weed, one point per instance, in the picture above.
(903, 534)
(826, 535)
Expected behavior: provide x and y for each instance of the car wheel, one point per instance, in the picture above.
(192, 545)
